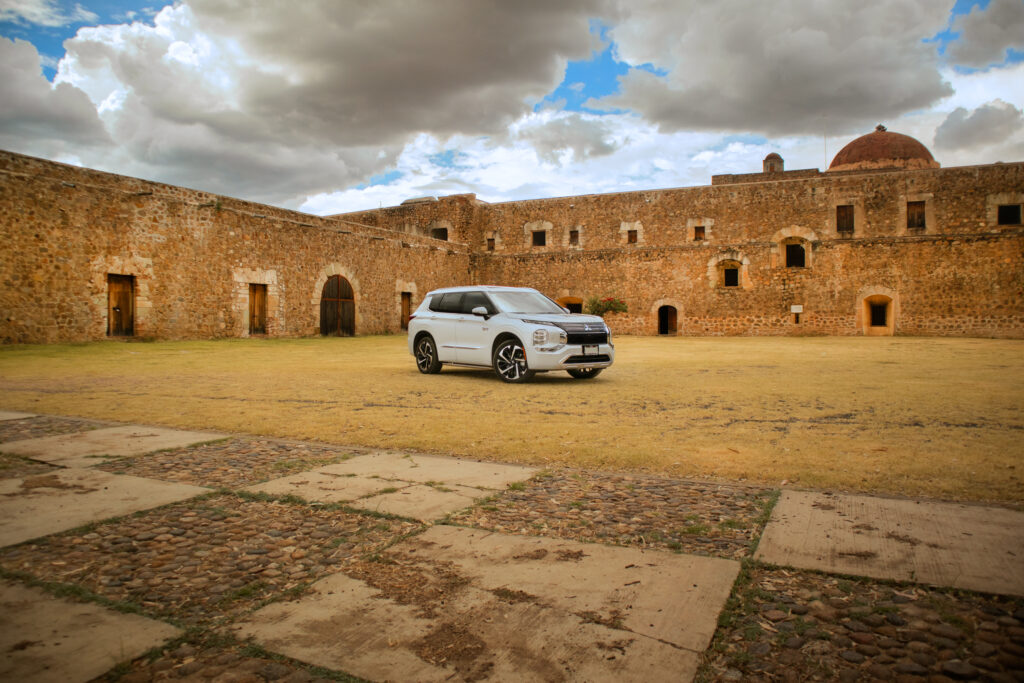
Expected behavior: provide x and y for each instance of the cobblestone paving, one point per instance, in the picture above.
(784, 625)
(38, 427)
(703, 518)
(15, 467)
(205, 559)
(221, 664)
(231, 463)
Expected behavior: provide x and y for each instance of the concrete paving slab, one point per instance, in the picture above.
(46, 639)
(507, 608)
(673, 598)
(48, 503)
(323, 486)
(345, 625)
(84, 448)
(944, 544)
(11, 415)
(425, 503)
(432, 468)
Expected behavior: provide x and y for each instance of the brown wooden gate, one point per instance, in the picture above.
(257, 309)
(406, 309)
(120, 305)
(337, 308)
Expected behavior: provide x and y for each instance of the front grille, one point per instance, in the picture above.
(588, 338)
(585, 333)
(582, 360)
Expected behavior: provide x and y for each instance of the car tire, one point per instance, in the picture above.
(509, 362)
(426, 356)
(585, 373)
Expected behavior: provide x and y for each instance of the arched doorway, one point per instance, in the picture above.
(337, 308)
(667, 320)
(573, 303)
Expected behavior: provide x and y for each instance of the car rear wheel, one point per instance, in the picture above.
(426, 356)
(509, 362)
(585, 373)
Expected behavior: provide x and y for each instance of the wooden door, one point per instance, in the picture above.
(257, 309)
(337, 308)
(120, 305)
(406, 309)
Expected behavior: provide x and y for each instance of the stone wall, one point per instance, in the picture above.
(192, 255)
(961, 275)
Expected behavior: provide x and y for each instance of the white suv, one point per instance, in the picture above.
(515, 330)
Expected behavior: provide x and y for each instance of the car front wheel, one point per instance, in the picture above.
(426, 356)
(585, 373)
(510, 362)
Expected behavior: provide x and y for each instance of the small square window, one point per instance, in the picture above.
(631, 237)
(540, 238)
(732, 277)
(1009, 214)
(915, 216)
(439, 234)
(574, 237)
(490, 244)
(844, 218)
(698, 233)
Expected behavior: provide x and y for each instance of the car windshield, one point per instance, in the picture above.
(524, 302)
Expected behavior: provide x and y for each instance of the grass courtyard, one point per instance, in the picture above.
(913, 416)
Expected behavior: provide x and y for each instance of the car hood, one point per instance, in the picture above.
(560, 318)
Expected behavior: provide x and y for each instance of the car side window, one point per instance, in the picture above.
(473, 299)
(447, 303)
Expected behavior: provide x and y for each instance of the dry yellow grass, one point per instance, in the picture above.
(938, 417)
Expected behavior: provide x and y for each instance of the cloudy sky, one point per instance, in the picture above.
(337, 105)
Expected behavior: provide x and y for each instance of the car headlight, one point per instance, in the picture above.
(550, 336)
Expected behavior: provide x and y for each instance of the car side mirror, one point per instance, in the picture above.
(481, 311)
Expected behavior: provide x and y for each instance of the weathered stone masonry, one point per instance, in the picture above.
(193, 255)
(757, 254)
(963, 274)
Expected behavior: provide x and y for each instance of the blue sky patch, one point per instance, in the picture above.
(385, 178)
(49, 40)
(449, 158)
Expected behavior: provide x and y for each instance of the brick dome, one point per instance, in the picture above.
(882, 149)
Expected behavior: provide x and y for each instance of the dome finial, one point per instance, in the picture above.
(880, 128)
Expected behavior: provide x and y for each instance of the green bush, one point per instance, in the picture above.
(600, 306)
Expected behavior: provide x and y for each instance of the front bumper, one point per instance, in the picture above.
(569, 357)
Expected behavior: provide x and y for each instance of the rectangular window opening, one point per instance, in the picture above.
(490, 244)
(574, 237)
(732, 277)
(698, 233)
(796, 318)
(795, 257)
(915, 216)
(631, 237)
(1009, 214)
(439, 233)
(540, 238)
(844, 218)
